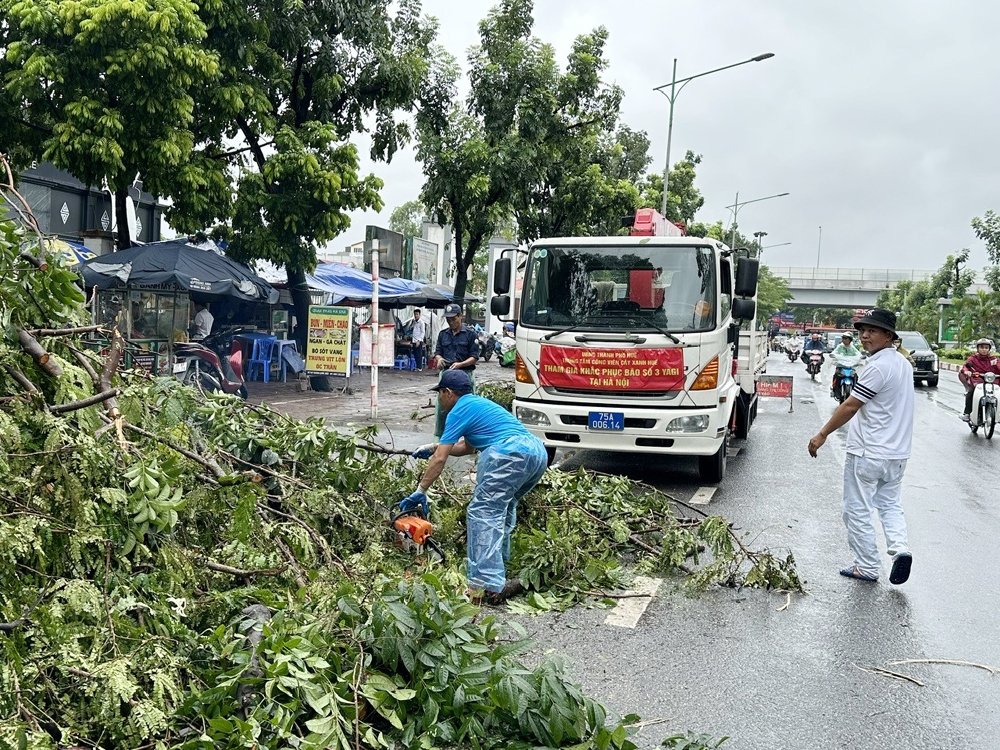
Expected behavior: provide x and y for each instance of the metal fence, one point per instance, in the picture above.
(847, 278)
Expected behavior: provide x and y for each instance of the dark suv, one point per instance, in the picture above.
(926, 359)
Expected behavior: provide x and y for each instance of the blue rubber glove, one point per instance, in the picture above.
(417, 500)
(425, 451)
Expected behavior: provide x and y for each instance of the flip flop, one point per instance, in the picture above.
(901, 564)
(858, 575)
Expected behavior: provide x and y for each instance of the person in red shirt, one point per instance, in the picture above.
(980, 362)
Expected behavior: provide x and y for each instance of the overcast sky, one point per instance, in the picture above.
(880, 118)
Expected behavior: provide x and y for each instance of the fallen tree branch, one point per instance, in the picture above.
(212, 466)
(85, 402)
(21, 378)
(64, 331)
(34, 260)
(892, 675)
(959, 662)
(42, 358)
(220, 568)
(86, 365)
(300, 579)
(110, 369)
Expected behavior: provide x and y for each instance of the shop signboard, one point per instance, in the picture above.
(328, 345)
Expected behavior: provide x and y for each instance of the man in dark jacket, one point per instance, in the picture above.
(981, 362)
(457, 349)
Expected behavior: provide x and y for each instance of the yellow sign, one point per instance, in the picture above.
(328, 347)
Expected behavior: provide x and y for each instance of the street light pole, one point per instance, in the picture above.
(759, 236)
(672, 97)
(737, 205)
(819, 245)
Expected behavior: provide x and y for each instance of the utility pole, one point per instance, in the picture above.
(819, 246)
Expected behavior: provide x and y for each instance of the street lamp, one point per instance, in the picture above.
(760, 242)
(672, 97)
(738, 204)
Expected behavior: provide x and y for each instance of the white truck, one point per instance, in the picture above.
(633, 343)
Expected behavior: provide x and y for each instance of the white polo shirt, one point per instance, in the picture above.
(883, 427)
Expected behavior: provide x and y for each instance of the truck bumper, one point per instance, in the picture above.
(645, 429)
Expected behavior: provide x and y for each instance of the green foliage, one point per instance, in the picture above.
(684, 199)
(499, 393)
(987, 229)
(772, 295)
(692, 741)
(406, 219)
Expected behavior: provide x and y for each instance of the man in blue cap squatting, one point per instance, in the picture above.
(511, 462)
(457, 349)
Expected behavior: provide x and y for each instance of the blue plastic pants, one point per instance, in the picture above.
(507, 472)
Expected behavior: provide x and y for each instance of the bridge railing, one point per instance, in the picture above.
(847, 278)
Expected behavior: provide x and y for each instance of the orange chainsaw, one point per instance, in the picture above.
(414, 532)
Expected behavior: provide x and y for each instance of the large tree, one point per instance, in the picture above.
(528, 136)
(987, 229)
(104, 89)
(684, 199)
(280, 176)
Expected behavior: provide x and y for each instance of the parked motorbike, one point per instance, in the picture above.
(215, 363)
(506, 351)
(487, 345)
(846, 376)
(814, 362)
(985, 414)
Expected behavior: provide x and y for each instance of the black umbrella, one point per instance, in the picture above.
(177, 264)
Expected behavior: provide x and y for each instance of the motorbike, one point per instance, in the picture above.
(793, 351)
(985, 414)
(487, 345)
(506, 351)
(846, 375)
(215, 363)
(814, 362)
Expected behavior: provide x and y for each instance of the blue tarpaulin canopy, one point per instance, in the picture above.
(351, 286)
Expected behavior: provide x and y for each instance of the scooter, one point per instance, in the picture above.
(487, 345)
(985, 414)
(793, 351)
(207, 366)
(846, 376)
(814, 362)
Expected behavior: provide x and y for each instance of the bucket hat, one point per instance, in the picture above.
(880, 318)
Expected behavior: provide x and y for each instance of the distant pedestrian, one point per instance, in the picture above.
(880, 410)
(417, 335)
(203, 321)
(457, 349)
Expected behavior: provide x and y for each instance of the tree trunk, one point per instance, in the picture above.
(301, 300)
(461, 265)
(123, 240)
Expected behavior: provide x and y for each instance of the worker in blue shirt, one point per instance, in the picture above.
(511, 461)
(457, 349)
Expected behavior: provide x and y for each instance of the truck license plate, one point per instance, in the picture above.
(607, 420)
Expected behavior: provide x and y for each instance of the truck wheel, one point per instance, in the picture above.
(713, 468)
(551, 453)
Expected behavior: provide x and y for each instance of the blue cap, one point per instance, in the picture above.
(451, 310)
(454, 380)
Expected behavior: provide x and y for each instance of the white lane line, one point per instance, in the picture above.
(703, 496)
(628, 611)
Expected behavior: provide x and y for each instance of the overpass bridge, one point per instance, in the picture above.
(842, 287)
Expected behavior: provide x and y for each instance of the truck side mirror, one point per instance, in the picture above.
(744, 309)
(500, 306)
(747, 271)
(501, 276)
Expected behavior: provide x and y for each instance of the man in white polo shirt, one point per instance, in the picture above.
(880, 410)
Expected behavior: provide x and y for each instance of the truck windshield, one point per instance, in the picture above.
(608, 287)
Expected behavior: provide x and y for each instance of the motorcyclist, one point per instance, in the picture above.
(981, 362)
(814, 343)
(845, 349)
(794, 343)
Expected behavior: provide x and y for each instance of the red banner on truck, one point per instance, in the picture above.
(615, 369)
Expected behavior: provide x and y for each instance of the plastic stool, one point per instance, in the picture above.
(412, 364)
(401, 363)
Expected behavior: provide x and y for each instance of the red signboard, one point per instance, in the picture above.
(614, 369)
(779, 386)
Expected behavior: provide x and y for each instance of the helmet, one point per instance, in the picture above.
(984, 341)
(508, 326)
(846, 335)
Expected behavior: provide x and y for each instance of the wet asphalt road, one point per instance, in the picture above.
(729, 662)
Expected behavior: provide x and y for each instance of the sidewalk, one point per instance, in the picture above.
(401, 395)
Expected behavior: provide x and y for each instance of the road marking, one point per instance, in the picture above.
(628, 611)
(703, 496)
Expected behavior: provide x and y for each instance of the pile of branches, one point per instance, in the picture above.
(192, 571)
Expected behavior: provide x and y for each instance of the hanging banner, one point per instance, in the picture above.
(617, 369)
(386, 346)
(328, 346)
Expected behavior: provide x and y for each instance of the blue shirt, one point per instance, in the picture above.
(482, 423)
(456, 347)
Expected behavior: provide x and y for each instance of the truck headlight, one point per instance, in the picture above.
(689, 424)
(531, 416)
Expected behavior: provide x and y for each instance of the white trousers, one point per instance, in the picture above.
(873, 484)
